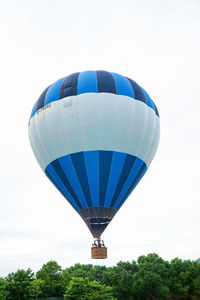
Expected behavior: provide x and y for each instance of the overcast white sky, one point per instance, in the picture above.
(156, 43)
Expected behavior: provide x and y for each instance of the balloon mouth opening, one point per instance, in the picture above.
(101, 221)
(99, 224)
(97, 219)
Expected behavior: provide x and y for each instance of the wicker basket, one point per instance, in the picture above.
(99, 252)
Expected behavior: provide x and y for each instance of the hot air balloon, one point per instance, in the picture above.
(94, 134)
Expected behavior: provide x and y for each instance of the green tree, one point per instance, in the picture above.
(196, 285)
(98, 273)
(79, 270)
(196, 280)
(184, 279)
(151, 279)
(36, 288)
(120, 278)
(50, 273)
(178, 283)
(83, 289)
(92, 272)
(3, 289)
(65, 279)
(18, 284)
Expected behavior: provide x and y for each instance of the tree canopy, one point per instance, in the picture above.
(150, 277)
(84, 289)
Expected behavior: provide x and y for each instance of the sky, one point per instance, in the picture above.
(157, 44)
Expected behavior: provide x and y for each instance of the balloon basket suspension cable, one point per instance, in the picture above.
(98, 250)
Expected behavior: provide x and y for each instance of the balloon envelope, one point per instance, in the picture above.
(94, 134)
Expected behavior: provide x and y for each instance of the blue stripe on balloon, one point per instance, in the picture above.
(78, 161)
(92, 167)
(40, 102)
(149, 101)
(55, 179)
(105, 160)
(105, 82)
(128, 163)
(93, 82)
(137, 179)
(60, 172)
(116, 168)
(157, 113)
(129, 180)
(96, 178)
(87, 82)
(69, 86)
(33, 110)
(123, 85)
(138, 91)
(68, 168)
(53, 92)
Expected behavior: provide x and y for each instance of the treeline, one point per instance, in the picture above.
(151, 277)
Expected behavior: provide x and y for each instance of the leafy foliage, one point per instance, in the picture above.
(3, 289)
(36, 288)
(50, 273)
(151, 277)
(19, 283)
(83, 289)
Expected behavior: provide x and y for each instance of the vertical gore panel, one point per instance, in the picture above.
(59, 171)
(100, 178)
(138, 91)
(134, 183)
(55, 179)
(105, 82)
(149, 101)
(132, 175)
(129, 161)
(123, 85)
(40, 102)
(80, 167)
(156, 110)
(53, 92)
(33, 110)
(105, 160)
(69, 86)
(92, 167)
(87, 82)
(115, 171)
(70, 172)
